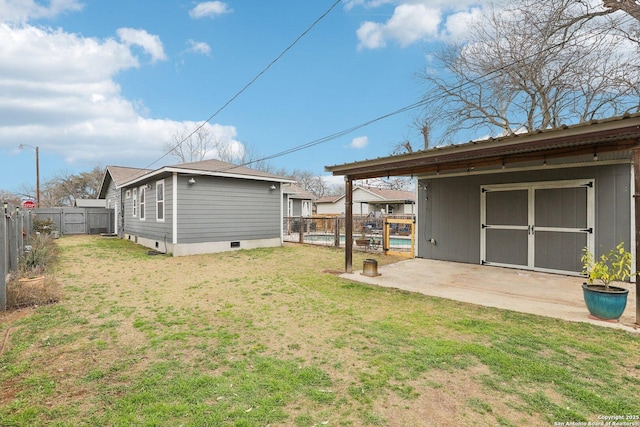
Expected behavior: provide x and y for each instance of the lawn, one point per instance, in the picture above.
(273, 337)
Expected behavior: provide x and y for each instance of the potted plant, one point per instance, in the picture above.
(604, 301)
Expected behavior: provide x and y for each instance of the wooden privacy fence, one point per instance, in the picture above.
(15, 225)
(70, 220)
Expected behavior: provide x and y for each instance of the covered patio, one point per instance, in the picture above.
(608, 150)
(543, 294)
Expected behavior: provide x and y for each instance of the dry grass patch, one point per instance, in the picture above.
(272, 337)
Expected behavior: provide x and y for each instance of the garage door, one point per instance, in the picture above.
(537, 226)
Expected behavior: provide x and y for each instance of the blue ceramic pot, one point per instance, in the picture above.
(606, 305)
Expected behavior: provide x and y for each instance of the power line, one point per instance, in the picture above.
(487, 76)
(252, 81)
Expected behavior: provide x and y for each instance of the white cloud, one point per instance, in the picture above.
(23, 10)
(369, 4)
(209, 9)
(69, 105)
(415, 20)
(198, 47)
(359, 142)
(150, 43)
(410, 22)
(457, 24)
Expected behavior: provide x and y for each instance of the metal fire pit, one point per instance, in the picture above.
(370, 268)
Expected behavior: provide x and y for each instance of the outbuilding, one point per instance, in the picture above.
(531, 201)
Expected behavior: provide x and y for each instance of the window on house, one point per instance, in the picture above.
(127, 194)
(141, 196)
(160, 200)
(135, 202)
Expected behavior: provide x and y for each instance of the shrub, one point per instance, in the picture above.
(39, 256)
(43, 226)
(38, 292)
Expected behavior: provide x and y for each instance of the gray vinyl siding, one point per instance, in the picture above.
(150, 228)
(216, 209)
(112, 196)
(449, 209)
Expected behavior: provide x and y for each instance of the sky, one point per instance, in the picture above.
(98, 83)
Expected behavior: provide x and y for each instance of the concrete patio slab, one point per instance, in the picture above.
(550, 295)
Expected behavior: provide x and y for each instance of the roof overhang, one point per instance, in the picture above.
(595, 137)
(195, 172)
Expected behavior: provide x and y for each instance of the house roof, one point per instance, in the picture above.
(210, 168)
(90, 203)
(591, 138)
(389, 195)
(329, 199)
(119, 175)
(294, 191)
(377, 195)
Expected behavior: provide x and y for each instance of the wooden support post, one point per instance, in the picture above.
(636, 200)
(348, 226)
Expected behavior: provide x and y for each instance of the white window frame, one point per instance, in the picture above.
(142, 202)
(127, 194)
(135, 203)
(160, 197)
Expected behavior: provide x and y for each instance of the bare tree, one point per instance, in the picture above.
(310, 182)
(628, 6)
(189, 146)
(531, 67)
(63, 189)
(9, 197)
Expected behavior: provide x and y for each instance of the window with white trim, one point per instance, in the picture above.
(160, 201)
(127, 194)
(135, 202)
(141, 197)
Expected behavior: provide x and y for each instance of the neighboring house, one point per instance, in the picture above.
(530, 201)
(369, 201)
(296, 201)
(200, 207)
(90, 203)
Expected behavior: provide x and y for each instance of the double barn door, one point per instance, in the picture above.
(537, 226)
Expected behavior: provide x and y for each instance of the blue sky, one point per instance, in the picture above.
(109, 82)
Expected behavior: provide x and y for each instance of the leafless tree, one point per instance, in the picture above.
(532, 66)
(310, 182)
(630, 7)
(189, 146)
(9, 197)
(64, 188)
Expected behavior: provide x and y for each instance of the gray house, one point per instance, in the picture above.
(297, 201)
(200, 207)
(531, 201)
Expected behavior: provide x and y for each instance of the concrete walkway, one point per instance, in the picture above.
(543, 294)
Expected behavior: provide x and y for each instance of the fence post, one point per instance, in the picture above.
(13, 241)
(336, 232)
(3, 260)
(301, 229)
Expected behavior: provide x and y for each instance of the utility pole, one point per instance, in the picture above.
(37, 171)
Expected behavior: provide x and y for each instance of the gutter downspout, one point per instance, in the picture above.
(174, 208)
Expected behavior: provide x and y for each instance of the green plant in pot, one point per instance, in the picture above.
(604, 301)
